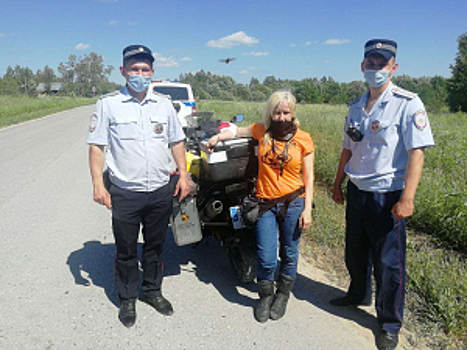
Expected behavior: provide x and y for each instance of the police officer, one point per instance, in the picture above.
(132, 130)
(386, 132)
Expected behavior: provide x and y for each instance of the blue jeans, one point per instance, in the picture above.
(269, 228)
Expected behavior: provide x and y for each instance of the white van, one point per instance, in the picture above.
(181, 95)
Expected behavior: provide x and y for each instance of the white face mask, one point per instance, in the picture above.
(376, 78)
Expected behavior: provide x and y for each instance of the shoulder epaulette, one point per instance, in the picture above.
(110, 94)
(354, 101)
(404, 93)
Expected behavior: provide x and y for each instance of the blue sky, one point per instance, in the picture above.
(288, 39)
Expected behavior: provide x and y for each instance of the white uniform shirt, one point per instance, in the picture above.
(137, 135)
(396, 123)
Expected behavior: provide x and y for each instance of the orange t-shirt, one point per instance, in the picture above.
(271, 184)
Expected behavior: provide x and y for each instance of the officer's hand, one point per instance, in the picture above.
(337, 195)
(182, 189)
(402, 209)
(305, 220)
(102, 196)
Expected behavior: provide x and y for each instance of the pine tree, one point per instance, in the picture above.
(457, 84)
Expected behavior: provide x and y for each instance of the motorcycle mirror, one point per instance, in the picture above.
(237, 119)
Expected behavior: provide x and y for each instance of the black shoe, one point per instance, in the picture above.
(347, 301)
(127, 313)
(387, 341)
(161, 304)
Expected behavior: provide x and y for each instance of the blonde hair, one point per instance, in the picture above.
(273, 101)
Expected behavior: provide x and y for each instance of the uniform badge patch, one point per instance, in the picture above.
(420, 119)
(93, 122)
(158, 128)
(375, 126)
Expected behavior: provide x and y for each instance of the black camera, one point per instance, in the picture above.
(354, 134)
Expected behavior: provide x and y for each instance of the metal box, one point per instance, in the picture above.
(186, 227)
(231, 159)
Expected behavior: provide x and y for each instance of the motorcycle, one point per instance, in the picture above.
(223, 179)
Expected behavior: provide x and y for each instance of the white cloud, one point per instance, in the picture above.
(161, 61)
(239, 38)
(253, 53)
(186, 59)
(2, 35)
(130, 23)
(112, 23)
(82, 47)
(336, 41)
(308, 43)
(293, 45)
(250, 70)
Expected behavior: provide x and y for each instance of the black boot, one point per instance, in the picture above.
(284, 287)
(127, 313)
(266, 296)
(387, 341)
(157, 301)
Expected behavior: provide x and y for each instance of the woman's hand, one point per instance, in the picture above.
(227, 134)
(305, 220)
(209, 146)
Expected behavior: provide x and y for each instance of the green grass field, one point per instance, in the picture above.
(438, 237)
(17, 109)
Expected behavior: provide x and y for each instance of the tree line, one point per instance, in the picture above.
(433, 91)
(88, 76)
(85, 76)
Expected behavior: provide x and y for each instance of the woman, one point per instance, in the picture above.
(285, 190)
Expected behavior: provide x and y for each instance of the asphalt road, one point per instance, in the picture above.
(56, 271)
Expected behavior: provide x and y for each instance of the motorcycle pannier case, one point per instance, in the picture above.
(186, 227)
(231, 159)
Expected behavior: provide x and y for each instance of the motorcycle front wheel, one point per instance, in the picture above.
(242, 258)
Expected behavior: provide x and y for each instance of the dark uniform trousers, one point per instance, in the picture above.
(374, 237)
(130, 210)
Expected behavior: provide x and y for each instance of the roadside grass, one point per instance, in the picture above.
(437, 290)
(436, 287)
(442, 198)
(437, 239)
(17, 109)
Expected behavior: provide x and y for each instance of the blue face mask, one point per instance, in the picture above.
(376, 78)
(139, 83)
